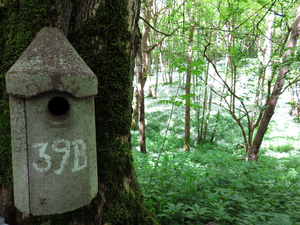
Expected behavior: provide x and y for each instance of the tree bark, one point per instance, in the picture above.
(162, 71)
(204, 106)
(209, 104)
(135, 117)
(105, 34)
(254, 150)
(156, 79)
(141, 100)
(295, 101)
(150, 74)
(187, 136)
(227, 67)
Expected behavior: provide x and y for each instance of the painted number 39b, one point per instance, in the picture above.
(79, 152)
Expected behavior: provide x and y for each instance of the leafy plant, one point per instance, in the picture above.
(282, 148)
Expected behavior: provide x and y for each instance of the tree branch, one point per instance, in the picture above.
(157, 43)
(155, 29)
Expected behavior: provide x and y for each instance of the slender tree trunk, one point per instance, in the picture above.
(198, 118)
(141, 100)
(161, 65)
(144, 64)
(211, 94)
(198, 123)
(254, 150)
(227, 68)
(150, 74)
(156, 82)
(170, 74)
(179, 80)
(208, 113)
(179, 75)
(218, 116)
(295, 100)
(188, 90)
(264, 72)
(170, 67)
(194, 91)
(135, 117)
(204, 105)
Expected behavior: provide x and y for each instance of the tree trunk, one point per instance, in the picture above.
(135, 117)
(105, 34)
(227, 67)
(295, 101)
(170, 67)
(179, 44)
(254, 150)
(208, 113)
(170, 74)
(187, 136)
(218, 116)
(210, 97)
(141, 100)
(150, 74)
(161, 65)
(201, 139)
(179, 80)
(156, 80)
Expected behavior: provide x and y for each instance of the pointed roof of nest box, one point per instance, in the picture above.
(50, 63)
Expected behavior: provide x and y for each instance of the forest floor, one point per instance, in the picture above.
(210, 184)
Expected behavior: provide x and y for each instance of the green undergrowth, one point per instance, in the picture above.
(282, 148)
(156, 123)
(214, 183)
(210, 185)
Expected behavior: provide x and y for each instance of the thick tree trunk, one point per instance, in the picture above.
(93, 27)
(254, 150)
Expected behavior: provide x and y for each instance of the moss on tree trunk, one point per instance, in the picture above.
(105, 34)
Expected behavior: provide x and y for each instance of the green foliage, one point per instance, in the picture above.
(199, 187)
(182, 99)
(210, 184)
(282, 148)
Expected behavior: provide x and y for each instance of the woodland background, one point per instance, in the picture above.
(217, 86)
